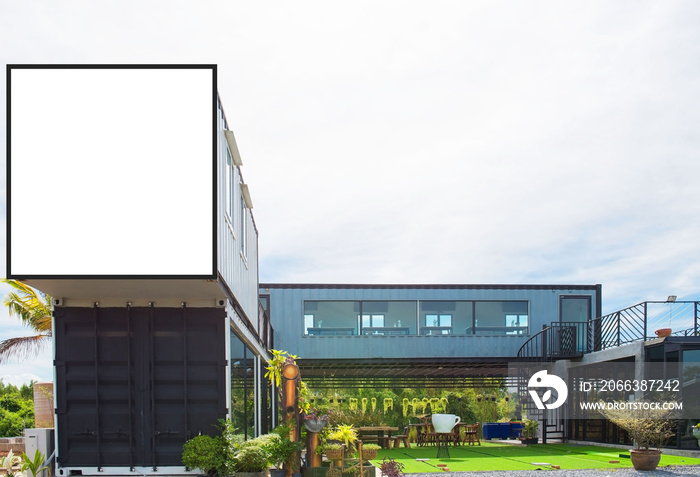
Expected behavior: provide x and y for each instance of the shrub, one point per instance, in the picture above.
(205, 453)
(251, 458)
(646, 427)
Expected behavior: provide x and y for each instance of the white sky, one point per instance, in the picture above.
(431, 142)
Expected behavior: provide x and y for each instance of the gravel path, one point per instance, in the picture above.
(659, 472)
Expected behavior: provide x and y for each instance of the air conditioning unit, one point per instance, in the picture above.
(41, 440)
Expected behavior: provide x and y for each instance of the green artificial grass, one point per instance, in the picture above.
(497, 456)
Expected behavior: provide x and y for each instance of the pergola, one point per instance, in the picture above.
(443, 373)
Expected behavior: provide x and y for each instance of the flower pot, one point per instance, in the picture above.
(369, 454)
(530, 440)
(663, 332)
(645, 459)
(334, 454)
(315, 425)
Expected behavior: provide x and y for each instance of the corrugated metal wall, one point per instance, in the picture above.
(240, 274)
(135, 383)
(286, 311)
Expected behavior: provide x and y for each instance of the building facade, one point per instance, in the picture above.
(145, 361)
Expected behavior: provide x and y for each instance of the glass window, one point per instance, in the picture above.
(388, 317)
(575, 309)
(501, 317)
(331, 317)
(446, 317)
(372, 321)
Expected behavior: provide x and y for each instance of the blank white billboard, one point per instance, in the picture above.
(111, 171)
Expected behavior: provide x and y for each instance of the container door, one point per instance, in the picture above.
(133, 384)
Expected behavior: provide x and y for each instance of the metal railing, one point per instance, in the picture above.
(560, 340)
(565, 340)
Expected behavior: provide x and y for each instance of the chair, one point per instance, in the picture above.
(396, 440)
(471, 434)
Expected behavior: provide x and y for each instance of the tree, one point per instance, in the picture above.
(33, 308)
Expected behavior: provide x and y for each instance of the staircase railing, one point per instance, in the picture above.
(566, 340)
(560, 340)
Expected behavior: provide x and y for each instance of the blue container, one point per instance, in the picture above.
(515, 428)
(496, 430)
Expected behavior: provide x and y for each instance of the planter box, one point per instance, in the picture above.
(496, 430)
(502, 430)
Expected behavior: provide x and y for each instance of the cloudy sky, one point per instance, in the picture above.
(431, 142)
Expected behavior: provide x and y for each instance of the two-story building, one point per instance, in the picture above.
(151, 259)
(407, 332)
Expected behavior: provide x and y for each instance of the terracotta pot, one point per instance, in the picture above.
(663, 332)
(645, 459)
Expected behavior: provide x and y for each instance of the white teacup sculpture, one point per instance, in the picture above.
(445, 422)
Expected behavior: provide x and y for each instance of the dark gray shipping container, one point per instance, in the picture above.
(134, 383)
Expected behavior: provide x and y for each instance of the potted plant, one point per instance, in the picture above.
(283, 452)
(332, 450)
(205, 453)
(696, 432)
(528, 435)
(369, 451)
(314, 421)
(391, 468)
(647, 426)
(345, 433)
(251, 460)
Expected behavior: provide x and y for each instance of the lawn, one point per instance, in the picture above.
(496, 456)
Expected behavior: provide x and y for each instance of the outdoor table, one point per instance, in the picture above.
(379, 432)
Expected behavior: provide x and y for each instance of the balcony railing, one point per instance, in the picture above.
(637, 323)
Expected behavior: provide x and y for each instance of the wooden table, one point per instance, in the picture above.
(367, 433)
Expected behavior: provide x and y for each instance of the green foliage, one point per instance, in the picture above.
(371, 446)
(35, 464)
(251, 458)
(16, 409)
(274, 368)
(345, 433)
(205, 453)
(529, 428)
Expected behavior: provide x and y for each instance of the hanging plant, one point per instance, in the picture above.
(353, 404)
(364, 405)
(388, 404)
(374, 404)
(404, 404)
(434, 405)
(479, 397)
(443, 401)
(415, 403)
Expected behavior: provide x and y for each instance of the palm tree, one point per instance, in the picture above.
(33, 308)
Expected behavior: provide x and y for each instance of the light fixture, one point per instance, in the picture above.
(671, 298)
